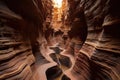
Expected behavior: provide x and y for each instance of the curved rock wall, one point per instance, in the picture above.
(21, 21)
(102, 46)
(16, 55)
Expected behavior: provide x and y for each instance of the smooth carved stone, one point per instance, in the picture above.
(16, 59)
(6, 51)
(81, 68)
(61, 59)
(54, 57)
(16, 55)
(102, 44)
(22, 75)
(53, 72)
(13, 71)
(106, 64)
(64, 60)
(12, 54)
(64, 77)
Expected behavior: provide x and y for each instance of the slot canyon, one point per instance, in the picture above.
(59, 39)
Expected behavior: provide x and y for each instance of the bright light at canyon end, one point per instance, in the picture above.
(57, 3)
